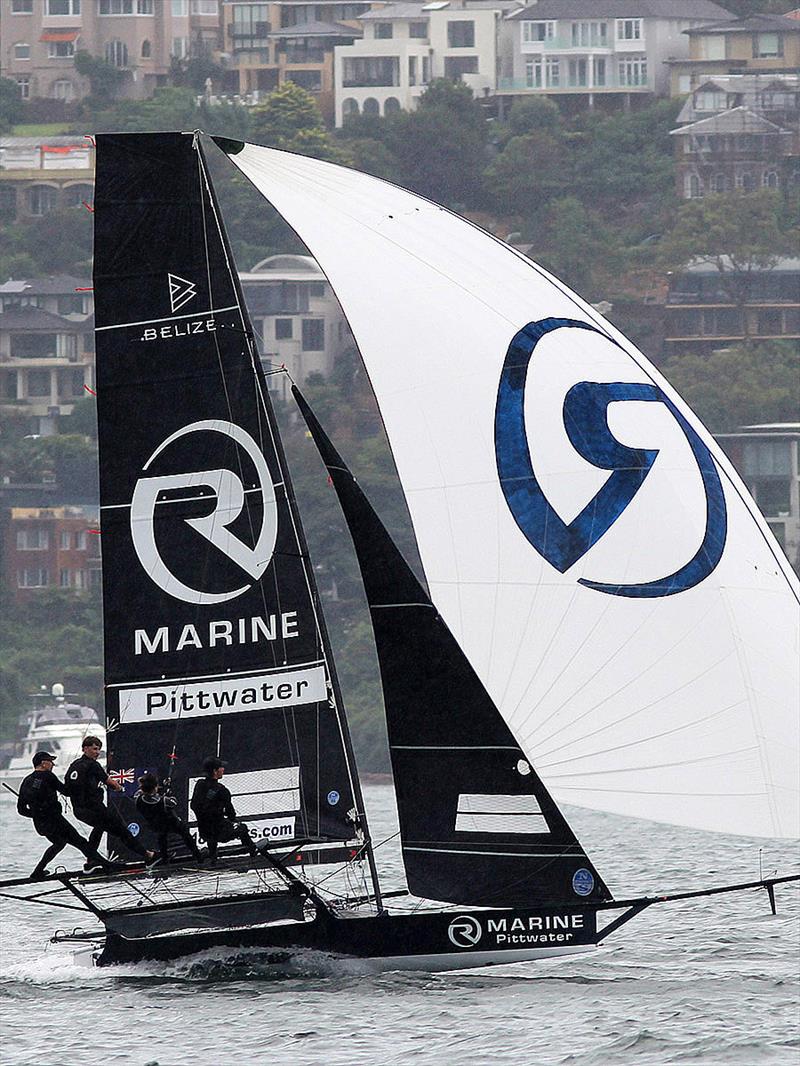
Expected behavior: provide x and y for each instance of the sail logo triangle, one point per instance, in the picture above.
(181, 292)
(585, 416)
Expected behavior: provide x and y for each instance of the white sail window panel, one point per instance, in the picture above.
(260, 792)
(499, 814)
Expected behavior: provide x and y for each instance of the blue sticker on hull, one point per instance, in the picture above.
(586, 422)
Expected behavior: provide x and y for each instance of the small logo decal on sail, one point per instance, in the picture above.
(464, 931)
(181, 292)
(582, 882)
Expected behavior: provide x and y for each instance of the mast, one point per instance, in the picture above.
(258, 371)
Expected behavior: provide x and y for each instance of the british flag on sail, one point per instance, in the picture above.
(125, 778)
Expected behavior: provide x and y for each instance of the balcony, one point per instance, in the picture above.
(566, 44)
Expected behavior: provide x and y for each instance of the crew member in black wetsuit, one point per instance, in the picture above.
(157, 810)
(84, 780)
(213, 808)
(38, 799)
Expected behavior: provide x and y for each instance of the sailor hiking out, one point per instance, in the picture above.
(38, 799)
(157, 810)
(84, 780)
(213, 807)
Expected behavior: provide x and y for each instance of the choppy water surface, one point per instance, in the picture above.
(708, 981)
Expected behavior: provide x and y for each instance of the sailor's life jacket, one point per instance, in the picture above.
(38, 796)
(157, 810)
(211, 802)
(83, 780)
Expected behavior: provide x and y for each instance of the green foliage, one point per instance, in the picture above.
(531, 113)
(104, 78)
(290, 119)
(527, 174)
(12, 107)
(59, 243)
(74, 462)
(83, 420)
(578, 247)
(746, 385)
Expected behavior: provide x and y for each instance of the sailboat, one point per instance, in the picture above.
(604, 618)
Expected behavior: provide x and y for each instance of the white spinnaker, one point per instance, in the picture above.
(681, 708)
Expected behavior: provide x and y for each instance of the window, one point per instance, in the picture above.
(456, 66)
(8, 203)
(63, 89)
(180, 47)
(633, 71)
(63, 541)
(314, 328)
(710, 100)
(22, 51)
(769, 179)
(767, 45)
(538, 31)
(412, 70)
(284, 329)
(64, 579)
(418, 30)
(147, 50)
(540, 75)
(719, 183)
(21, 7)
(74, 196)
(371, 71)
(712, 46)
(371, 107)
(310, 80)
(144, 7)
(461, 34)
(180, 9)
(770, 457)
(693, 186)
(42, 199)
(577, 73)
(80, 541)
(24, 84)
(599, 70)
(35, 578)
(205, 7)
(384, 31)
(38, 382)
(391, 105)
(33, 345)
(62, 7)
(350, 106)
(61, 49)
(250, 27)
(116, 7)
(117, 53)
(29, 540)
(746, 181)
(629, 29)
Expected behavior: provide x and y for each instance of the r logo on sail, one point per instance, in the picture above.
(228, 492)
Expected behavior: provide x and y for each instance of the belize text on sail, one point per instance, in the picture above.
(607, 619)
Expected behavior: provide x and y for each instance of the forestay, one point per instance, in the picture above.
(213, 641)
(584, 538)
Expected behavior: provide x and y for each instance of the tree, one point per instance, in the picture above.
(528, 173)
(290, 119)
(59, 242)
(739, 234)
(579, 248)
(746, 385)
(104, 78)
(12, 107)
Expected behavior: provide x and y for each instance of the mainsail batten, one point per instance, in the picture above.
(213, 639)
(606, 692)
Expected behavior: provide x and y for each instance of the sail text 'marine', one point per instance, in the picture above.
(220, 631)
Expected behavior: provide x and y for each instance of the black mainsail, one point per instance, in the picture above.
(214, 641)
(477, 824)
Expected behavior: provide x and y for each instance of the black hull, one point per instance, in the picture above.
(426, 941)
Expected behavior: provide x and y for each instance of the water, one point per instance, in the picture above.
(710, 981)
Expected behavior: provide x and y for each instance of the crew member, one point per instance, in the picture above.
(84, 780)
(158, 812)
(213, 807)
(38, 799)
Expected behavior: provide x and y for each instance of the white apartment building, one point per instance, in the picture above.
(405, 45)
(296, 317)
(602, 48)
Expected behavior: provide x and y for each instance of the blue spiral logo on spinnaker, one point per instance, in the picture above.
(586, 421)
